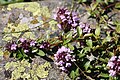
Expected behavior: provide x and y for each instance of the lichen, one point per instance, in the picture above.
(1, 52)
(25, 70)
(33, 7)
(19, 29)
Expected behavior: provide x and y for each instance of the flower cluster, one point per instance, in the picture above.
(85, 27)
(26, 44)
(63, 58)
(68, 20)
(22, 44)
(11, 46)
(114, 65)
(45, 45)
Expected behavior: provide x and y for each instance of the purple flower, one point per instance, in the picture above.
(85, 27)
(67, 12)
(61, 63)
(66, 19)
(68, 57)
(112, 73)
(62, 17)
(13, 46)
(63, 49)
(119, 68)
(74, 14)
(45, 45)
(63, 58)
(68, 64)
(59, 26)
(63, 69)
(114, 65)
(33, 43)
(25, 45)
(63, 20)
(22, 39)
(74, 24)
(69, 21)
(81, 25)
(55, 16)
(111, 64)
(113, 58)
(25, 51)
(75, 18)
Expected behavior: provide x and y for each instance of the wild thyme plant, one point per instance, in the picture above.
(80, 50)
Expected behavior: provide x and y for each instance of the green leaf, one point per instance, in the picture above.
(19, 54)
(81, 55)
(99, 1)
(69, 34)
(103, 60)
(82, 1)
(87, 64)
(97, 31)
(88, 71)
(79, 31)
(72, 74)
(77, 72)
(111, 0)
(118, 28)
(89, 43)
(117, 5)
(94, 5)
(66, 41)
(111, 53)
(105, 75)
(23, 53)
(88, 35)
(107, 39)
(41, 53)
(34, 50)
(71, 46)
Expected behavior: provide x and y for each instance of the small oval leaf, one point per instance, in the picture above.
(97, 31)
(79, 31)
(41, 53)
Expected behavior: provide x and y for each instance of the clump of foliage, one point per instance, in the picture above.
(26, 49)
(80, 50)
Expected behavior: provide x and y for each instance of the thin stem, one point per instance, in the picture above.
(88, 77)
